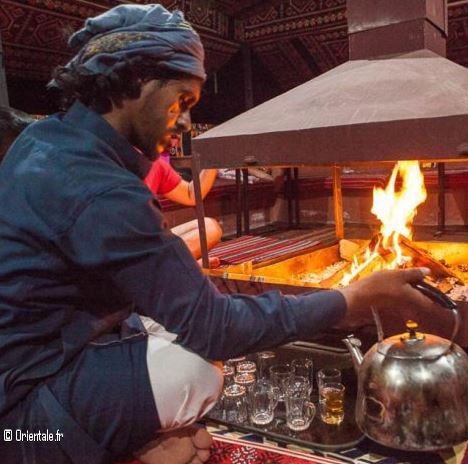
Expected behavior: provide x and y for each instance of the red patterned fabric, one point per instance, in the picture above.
(227, 450)
(258, 249)
(234, 451)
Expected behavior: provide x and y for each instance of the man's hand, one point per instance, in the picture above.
(384, 290)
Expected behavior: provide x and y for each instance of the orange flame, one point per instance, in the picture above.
(396, 211)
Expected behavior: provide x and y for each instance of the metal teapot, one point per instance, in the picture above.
(413, 388)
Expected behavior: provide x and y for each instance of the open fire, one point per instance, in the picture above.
(396, 207)
(392, 247)
(396, 210)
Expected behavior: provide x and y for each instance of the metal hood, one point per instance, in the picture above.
(397, 98)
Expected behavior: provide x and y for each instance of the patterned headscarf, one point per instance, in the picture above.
(109, 40)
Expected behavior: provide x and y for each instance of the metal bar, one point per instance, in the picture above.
(207, 164)
(440, 198)
(338, 202)
(289, 194)
(245, 203)
(239, 204)
(459, 3)
(199, 208)
(297, 211)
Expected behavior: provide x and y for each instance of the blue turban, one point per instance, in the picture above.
(113, 38)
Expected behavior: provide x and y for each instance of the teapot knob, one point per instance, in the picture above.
(412, 329)
(412, 326)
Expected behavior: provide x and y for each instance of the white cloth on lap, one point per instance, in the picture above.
(185, 386)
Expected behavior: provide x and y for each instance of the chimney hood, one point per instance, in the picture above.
(397, 98)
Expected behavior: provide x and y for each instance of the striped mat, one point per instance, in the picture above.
(259, 249)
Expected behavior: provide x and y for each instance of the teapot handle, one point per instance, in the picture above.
(441, 298)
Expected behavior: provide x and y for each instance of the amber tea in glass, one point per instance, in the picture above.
(332, 403)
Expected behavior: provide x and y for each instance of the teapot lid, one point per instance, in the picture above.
(414, 344)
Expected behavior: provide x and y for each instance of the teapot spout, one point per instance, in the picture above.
(354, 346)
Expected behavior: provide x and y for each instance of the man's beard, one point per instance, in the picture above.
(151, 152)
(152, 156)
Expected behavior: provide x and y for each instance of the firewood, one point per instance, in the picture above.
(378, 263)
(366, 268)
(334, 280)
(349, 249)
(421, 258)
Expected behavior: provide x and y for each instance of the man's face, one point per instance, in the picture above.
(162, 110)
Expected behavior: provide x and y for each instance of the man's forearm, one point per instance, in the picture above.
(207, 178)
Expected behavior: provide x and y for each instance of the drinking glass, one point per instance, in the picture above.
(246, 379)
(264, 360)
(279, 375)
(228, 379)
(235, 404)
(300, 411)
(234, 361)
(305, 368)
(228, 375)
(298, 383)
(331, 403)
(263, 399)
(328, 375)
(246, 367)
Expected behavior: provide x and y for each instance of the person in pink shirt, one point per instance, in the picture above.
(164, 180)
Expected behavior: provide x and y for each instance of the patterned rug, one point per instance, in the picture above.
(235, 451)
(228, 450)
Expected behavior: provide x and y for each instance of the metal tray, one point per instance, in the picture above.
(319, 435)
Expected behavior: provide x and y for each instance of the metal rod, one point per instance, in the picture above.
(297, 211)
(245, 202)
(338, 202)
(199, 208)
(440, 198)
(289, 194)
(238, 203)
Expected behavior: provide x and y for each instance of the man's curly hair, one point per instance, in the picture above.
(100, 92)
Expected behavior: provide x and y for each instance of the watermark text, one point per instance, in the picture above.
(26, 435)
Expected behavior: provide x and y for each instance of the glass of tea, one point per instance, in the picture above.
(331, 403)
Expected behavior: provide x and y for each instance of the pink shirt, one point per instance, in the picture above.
(162, 177)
